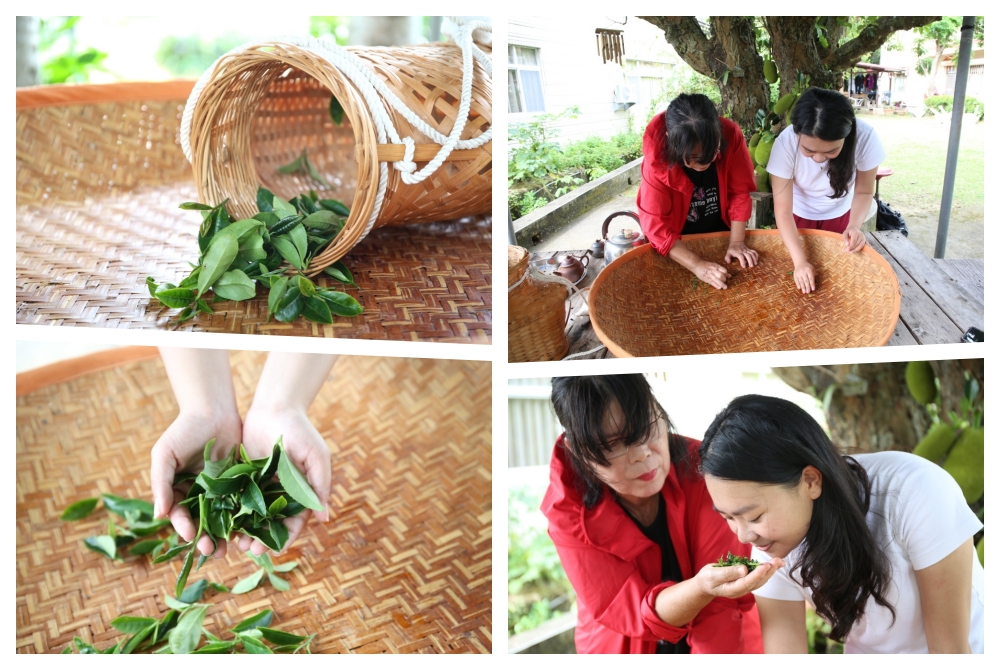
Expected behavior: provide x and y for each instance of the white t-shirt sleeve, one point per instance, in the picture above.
(933, 518)
(782, 160)
(869, 153)
(780, 586)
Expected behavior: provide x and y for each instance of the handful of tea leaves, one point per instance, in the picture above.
(238, 255)
(732, 559)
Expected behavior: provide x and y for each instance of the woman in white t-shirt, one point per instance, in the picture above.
(823, 175)
(880, 544)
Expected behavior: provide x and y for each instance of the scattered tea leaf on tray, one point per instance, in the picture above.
(248, 583)
(79, 509)
(185, 637)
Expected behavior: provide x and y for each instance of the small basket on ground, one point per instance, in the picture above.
(259, 106)
(643, 304)
(536, 313)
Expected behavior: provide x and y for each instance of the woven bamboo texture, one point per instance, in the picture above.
(97, 192)
(643, 304)
(403, 565)
(261, 108)
(536, 314)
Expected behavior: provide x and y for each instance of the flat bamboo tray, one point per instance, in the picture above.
(403, 565)
(100, 173)
(643, 304)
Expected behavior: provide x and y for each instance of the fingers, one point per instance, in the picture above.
(295, 524)
(751, 257)
(161, 477)
(180, 519)
(245, 542)
(716, 275)
(317, 466)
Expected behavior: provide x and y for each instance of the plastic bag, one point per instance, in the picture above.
(889, 219)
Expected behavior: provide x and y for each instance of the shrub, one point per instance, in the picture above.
(972, 105)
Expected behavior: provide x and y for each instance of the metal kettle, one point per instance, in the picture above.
(621, 242)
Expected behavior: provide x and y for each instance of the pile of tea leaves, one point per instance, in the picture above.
(236, 256)
(732, 559)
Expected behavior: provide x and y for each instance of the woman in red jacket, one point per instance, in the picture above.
(636, 531)
(696, 178)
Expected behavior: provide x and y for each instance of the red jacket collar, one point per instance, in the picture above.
(606, 525)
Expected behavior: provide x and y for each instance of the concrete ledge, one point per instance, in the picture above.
(552, 637)
(553, 216)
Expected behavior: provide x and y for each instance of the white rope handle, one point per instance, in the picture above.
(371, 87)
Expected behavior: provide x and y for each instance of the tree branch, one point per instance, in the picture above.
(685, 35)
(871, 38)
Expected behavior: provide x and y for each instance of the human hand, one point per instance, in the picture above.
(303, 444)
(734, 581)
(854, 240)
(738, 250)
(711, 273)
(805, 277)
(181, 448)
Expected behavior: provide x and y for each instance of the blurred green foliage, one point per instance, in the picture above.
(336, 27)
(817, 632)
(62, 59)
(191, 55)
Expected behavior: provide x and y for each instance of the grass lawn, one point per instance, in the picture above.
(916, 150)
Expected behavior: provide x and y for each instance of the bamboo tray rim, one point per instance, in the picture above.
(38, 378)
(614, 348)
(56, 95)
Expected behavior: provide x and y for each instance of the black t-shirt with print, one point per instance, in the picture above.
(705, 215)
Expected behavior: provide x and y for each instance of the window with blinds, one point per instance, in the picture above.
(524, 80)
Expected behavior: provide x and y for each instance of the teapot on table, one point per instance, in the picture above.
(572, 268)
(621, 242)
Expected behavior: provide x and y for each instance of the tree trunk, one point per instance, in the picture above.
(729, 57)
(871, 408)
(935, 65)
(27, 51)
(794, 49)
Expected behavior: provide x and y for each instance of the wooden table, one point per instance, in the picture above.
(941, 299)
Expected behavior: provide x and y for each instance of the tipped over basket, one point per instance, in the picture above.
(643, 304)
(262, 104)
(536, 313)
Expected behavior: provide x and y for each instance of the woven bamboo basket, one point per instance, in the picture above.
(536, 314)
(643, 304)
(403, 565)
(259, 106)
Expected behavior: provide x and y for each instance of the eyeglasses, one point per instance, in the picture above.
(616, 449)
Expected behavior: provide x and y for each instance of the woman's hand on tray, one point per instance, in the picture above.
(805, 277)
(712, 273)
(738, 250)
(854, 240)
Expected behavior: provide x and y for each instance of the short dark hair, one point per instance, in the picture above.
(692, 119)
(770, 441)
(829, 116)
(581, 404)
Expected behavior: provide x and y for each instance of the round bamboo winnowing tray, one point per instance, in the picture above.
(403, 565)
(643, 304)
(536, 314)
(100, 173)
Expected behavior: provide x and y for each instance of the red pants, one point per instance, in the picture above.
(837, 225)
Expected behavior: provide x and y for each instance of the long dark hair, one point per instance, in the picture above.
(581, 404)
(770, 440)
(692, 119)
(829, 116)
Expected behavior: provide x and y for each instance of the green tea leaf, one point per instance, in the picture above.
(102, 544)
(280, 637)
(264, 199)
(122, 506)
(79, 509)
(239, 469)
(271, 466)
(139, 637)
(340, 303)
(83, 647)
(259, 619)
(317, 310)
(185, 571)
(132, 624)
(193, 593)
(223, 647)
(298, 236)
(220, 254)
(151, 286)
(336, 110)
(166, 623)
(144, 547)
(185, 314)
(321, 220)
(278, 287)
(277, 582)
(144, 528)
(264, 535)
(314, 173)
(252, 249)
(252, 646)
(340, 272)
(295, 484)
(235, 285)
(248, 583)
(185, 637)
(290, 306)
(170, 553)
(294, 166)
(286, 247)
(276, 506)
(306, 287)
(285, 567)
(283, 208)
(175, 297)
(195, 205)
(221, 486)
(263, 561)
(221, 588)
(279, 532)
(242, 231)
(175, 604)
(253, 498)
(335, 206)
(202, 306)
(191, 281)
